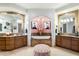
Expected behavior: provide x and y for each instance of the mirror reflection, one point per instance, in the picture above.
(10, 23)
(67, 24)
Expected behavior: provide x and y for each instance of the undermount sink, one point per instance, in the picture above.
(41, 37)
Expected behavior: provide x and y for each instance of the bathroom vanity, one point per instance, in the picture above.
(41, 40)
(11, 30)
(41, 31)
(12, 42)
(68, 41)
(68, 29)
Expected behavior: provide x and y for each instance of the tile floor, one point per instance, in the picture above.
(28, 51)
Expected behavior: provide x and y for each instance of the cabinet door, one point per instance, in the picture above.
(75, 44)
(24, 40)
(66, 42)
(2, 43)
(75, 41)
(58, 43)
(58, 40)
(18, 42)
(9, 43)
(76, 48)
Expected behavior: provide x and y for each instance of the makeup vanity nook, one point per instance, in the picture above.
(41, 31)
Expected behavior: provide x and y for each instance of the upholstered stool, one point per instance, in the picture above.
(41, 50)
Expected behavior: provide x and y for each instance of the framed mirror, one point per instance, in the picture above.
(9, 22)
(66, 23)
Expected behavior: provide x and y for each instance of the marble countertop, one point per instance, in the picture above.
(40, 37)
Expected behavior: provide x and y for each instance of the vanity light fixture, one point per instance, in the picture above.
(27, 22)
(19, 21)
(65, 20)
(71, 19)
(68, 20)
(62, 20)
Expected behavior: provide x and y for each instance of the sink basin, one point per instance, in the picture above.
(41, 37)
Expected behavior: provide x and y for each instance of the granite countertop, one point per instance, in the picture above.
(70, 36)
(13, 35)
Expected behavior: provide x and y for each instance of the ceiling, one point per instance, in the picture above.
(41, 5)
(23, 7)
(37, 5)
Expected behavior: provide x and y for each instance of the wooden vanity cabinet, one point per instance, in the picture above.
(34, 42)
(41, 41)
(75, 44)
(24, 40)
(20, 41)
(9, 43)
(47, 41)
(68, 42)
(58, 40)
(12, 42)
(2, 43)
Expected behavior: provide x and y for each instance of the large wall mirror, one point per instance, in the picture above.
(67, 23)
(11, 22)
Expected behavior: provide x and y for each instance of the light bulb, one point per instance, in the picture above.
(62, 21)
(67, 20)
(71, 19)
(19, 21)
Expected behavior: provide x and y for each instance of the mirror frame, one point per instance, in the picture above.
(22, 16)
(75, 14)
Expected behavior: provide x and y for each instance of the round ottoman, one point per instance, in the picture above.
(41, 50)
